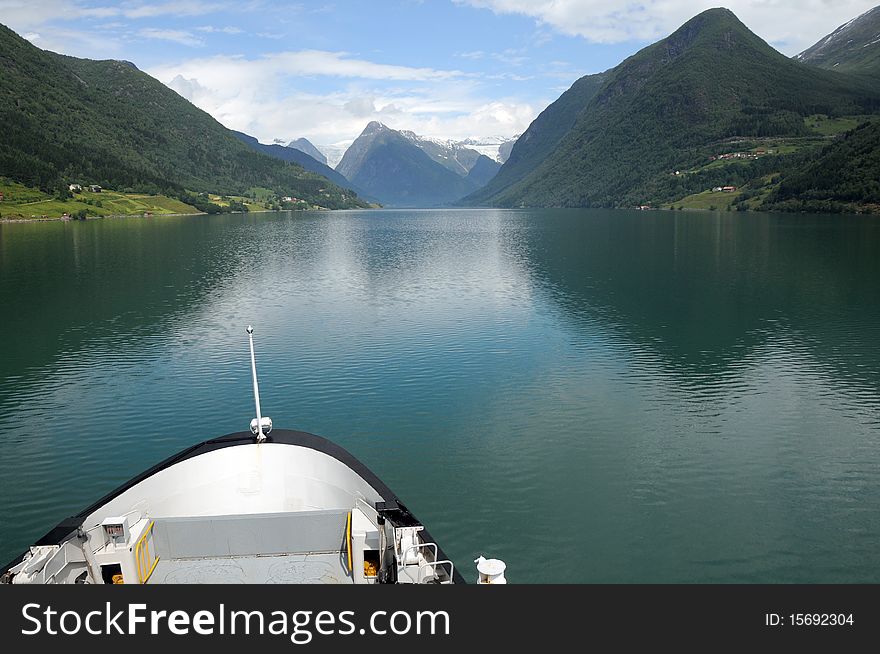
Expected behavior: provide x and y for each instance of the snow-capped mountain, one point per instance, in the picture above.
(335, 151)
(457, 158)
(854, 47)
(394, 169)
(495, 147)
(460, 156)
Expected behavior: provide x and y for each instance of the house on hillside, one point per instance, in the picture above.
(94, 188)
(75, 188)
(728, 189)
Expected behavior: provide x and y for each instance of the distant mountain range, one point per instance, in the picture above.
(68, 120)
(711, 116)
(448, 152)
(663, 124)
(400, 169)
(854, 47)
(294, 155)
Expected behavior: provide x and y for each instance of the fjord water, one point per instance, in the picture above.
(592, 396)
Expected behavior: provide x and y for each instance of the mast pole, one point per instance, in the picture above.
(260, 435)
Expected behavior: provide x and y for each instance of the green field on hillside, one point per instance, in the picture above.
(822, 124)
(20, 201)
(708, 200)
(226, 200)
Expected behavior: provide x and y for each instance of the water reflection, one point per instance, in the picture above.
(618, 396)
(702, 289)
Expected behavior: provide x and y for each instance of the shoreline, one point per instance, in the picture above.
(18, 221)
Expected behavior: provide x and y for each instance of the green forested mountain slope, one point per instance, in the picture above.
(539, 140)
(852, 48)
(844, 176)
(663, 109)
(105, 122)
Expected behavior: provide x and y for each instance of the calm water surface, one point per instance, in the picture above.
(592, 396)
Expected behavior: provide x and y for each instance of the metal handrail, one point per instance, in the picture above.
(434, 564)
(142, 555)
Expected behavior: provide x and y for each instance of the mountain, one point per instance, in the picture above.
(483, 171)
(843, 177)
(496, 148)
(854, 47)
(294, 155)
(105, 122)
(458, 156)
(461, 156)
(449, 154)
(665, 110)
(538, 141)
(304, 145)
(504, 149)
(388, 166)
(335, 151)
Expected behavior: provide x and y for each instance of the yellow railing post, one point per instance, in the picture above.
(142, 556)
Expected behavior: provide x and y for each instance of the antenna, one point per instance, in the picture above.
(260, 426)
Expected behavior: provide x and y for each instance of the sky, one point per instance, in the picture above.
(442, 68)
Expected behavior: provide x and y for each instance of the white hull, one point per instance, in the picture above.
(294, 508)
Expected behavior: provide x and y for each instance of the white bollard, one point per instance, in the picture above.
(490, 571)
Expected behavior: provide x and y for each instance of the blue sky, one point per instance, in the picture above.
(443, 68)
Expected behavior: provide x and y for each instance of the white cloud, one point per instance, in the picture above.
(229, 70)
(510, 56)
(210, 29)
(790, 26)
(24, 15)
(263, 97)
(177, 36)
(46, 22)
(360, 106)
(151, 10)
(99, 12)
(31, 20)
(188, 88)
